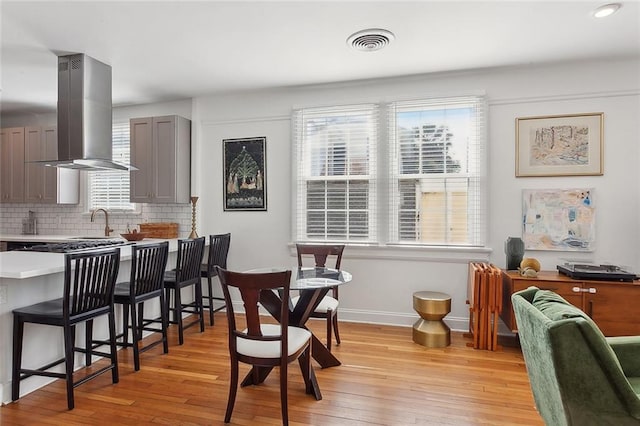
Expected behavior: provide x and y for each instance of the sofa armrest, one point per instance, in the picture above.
(627, 349)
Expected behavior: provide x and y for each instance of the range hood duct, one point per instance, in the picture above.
(84, 115)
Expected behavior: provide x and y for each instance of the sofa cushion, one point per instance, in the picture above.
(555, 307)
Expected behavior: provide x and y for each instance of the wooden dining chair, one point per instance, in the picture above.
(264, 346)
(328, 306)
(218, 251)
(89, 283)
(148, 263)
(186, 274)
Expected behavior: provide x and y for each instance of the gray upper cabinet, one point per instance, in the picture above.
(47, 184)
(12, 165)
(161, 150)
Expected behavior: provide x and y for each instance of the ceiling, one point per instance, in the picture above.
(168, 50)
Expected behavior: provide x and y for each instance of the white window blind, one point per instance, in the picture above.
(437, 149)
(335, 157)
(110, 188)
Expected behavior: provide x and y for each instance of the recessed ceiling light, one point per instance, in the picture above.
(370, 40)
(606, 10)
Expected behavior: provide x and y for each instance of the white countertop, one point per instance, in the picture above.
(48, 238)
(26, 264)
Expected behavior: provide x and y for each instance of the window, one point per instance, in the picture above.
(436, 151)
(110, 188)
(336, 175)
(432, 192)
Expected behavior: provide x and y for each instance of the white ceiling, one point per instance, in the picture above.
(168, 50)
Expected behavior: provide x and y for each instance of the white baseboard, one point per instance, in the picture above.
(396, 318)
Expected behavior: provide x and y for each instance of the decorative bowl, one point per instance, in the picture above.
(134, 236)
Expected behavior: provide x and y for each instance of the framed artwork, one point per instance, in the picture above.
(560, 145)
(245, 184)
(558, 219)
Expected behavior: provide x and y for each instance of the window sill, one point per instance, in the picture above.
(414, 253)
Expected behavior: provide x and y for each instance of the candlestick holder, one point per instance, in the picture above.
(193, 233)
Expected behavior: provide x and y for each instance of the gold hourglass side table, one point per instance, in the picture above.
(430, 330)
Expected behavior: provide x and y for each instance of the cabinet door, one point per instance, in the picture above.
(570, 291)
(52, 176)
(164, 155)
(34, 173)
(141, 142)
(12, 165)
(41, 183)
(612, 307)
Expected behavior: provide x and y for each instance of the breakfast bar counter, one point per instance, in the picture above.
(28, 277)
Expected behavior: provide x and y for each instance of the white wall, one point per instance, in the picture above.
(384, 279)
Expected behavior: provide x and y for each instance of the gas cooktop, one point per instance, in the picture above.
(77, 246)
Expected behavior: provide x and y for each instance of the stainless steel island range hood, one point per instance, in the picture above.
(84, 115)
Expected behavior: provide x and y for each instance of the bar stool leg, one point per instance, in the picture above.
(88, 338)
(135, 338)
(164, 317)
(125, 324)
(177, 305)
(18, 331)
(68, 361)
(114, 350)
(199, 305)
(210, 285)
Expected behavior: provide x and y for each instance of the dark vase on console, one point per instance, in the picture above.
(514, 249)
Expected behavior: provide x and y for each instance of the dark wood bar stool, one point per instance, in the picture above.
(89, 283)
(218, 251)
(186, 274)
(148, 264)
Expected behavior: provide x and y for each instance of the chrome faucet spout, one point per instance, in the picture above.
(107, 230)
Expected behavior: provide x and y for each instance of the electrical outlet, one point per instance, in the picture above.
(4, 291)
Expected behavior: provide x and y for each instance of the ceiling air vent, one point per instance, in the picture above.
(370, 40)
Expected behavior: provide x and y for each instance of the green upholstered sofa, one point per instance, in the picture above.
(578, 376)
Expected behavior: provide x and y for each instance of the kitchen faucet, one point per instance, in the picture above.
(107, 230)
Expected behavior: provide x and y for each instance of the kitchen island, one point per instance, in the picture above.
(31, 277)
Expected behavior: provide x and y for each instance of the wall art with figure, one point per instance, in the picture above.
(244, 174)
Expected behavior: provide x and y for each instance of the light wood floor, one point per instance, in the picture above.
(384, 379)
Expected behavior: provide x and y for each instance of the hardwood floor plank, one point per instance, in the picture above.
(384, 379)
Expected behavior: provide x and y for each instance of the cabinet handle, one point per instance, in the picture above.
(584, 290)
(590, 308)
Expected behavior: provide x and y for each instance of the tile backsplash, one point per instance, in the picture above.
(73, 220)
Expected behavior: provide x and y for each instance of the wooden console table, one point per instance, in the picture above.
(613, 305)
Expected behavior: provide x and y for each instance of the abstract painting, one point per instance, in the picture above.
(558, 219)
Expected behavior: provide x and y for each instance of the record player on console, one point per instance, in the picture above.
(592, 271)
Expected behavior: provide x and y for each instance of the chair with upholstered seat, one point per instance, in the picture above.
(218, 251)
(577, 375)
(328, 306)
(148, 264)
(89, 282)
(264, 346)
(186, 274)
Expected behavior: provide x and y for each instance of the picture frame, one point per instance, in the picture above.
(559, 219)
(560, 145)
(245, 184)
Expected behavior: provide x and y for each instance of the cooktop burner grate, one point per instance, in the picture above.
(75, 246)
